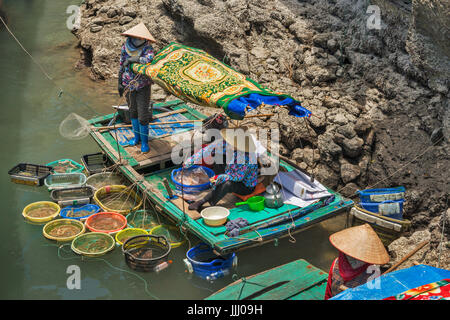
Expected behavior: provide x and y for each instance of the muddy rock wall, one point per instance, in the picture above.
(376, 81)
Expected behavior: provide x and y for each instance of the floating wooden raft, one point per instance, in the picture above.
(297, 280)
(150, 171)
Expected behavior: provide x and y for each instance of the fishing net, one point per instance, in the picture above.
(93, 244)
(41, 212)
(103, 179)
(120, 199)
(126, 234)
(171, 233)
(143, 253)
(63, 229)
(74, 127)
(194, 177)
(142, 219)
(108, 222)
(79, 212)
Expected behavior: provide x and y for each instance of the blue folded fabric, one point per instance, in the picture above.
(234, 226)
(254, 100)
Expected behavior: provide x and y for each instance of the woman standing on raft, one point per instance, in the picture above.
(137, 49)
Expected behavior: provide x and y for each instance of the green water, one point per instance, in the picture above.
(31, 113)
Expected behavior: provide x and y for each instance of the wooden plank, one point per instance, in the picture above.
(191, 213)
(292, 271)
(304, 282)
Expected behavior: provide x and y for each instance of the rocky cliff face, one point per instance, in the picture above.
(380, 96)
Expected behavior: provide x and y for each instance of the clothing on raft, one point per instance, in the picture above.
(146, 55)
(343, 273)
(138, 103)
(242, 166)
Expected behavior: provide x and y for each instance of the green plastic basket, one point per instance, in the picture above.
(76, 169)
(93, 244)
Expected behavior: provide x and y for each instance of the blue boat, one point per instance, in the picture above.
(394, 283)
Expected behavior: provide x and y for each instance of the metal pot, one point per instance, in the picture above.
(273, 196)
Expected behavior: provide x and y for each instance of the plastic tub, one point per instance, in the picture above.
(65, 180)
(168, 231)
(52, 225)
(95, 218)
(103, 192)
(215, 216)
(95, 162)
(391, 209)
(70, 210)
(380, 195)
(195, 188)
(37, 205)
(77, 168)
(202, 261)
(103, 179)
(145, 252)
(142, 219)
(127, 233)
(73, 196)
(93, 244)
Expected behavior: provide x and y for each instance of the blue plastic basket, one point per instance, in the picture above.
(390, 208)
(380, 195)
(195, 188)
(205, 262)
(92, 208)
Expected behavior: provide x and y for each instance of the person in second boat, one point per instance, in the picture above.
(137, 49)
(360, 253)
(240, 172)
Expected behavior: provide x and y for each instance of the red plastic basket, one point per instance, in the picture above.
(92, 220)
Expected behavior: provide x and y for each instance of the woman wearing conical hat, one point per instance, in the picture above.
(359, 248)
(137, 49)
(239, 170)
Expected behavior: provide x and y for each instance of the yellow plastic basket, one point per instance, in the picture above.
(41, 204)
(124, 234)
(104, 191)
(61, 222)
(166, 230)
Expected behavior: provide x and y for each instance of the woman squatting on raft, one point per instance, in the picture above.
(240, 168)
(137, 49)
(359, 248)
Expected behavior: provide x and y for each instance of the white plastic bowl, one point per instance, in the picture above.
(215, 216)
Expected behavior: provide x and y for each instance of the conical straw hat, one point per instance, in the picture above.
(361, 243)
(140, 31)
(239, 138)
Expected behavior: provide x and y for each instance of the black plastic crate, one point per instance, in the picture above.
(30, 174)
(96, 162)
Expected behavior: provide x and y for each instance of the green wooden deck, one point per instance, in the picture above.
(297, 280)
(149, 181)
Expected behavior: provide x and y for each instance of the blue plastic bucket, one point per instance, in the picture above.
(380, 195)
(195, 188)
(391, 209)
(205, 262)
(92, 208)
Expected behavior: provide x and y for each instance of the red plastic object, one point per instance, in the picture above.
(114, 215)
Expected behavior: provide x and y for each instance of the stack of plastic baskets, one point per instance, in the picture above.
(203, 262)
(387, 202)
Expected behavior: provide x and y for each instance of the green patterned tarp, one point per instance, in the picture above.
(195, 76)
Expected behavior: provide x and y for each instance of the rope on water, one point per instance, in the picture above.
(61, 248)
(44, 72)
(244, 282)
